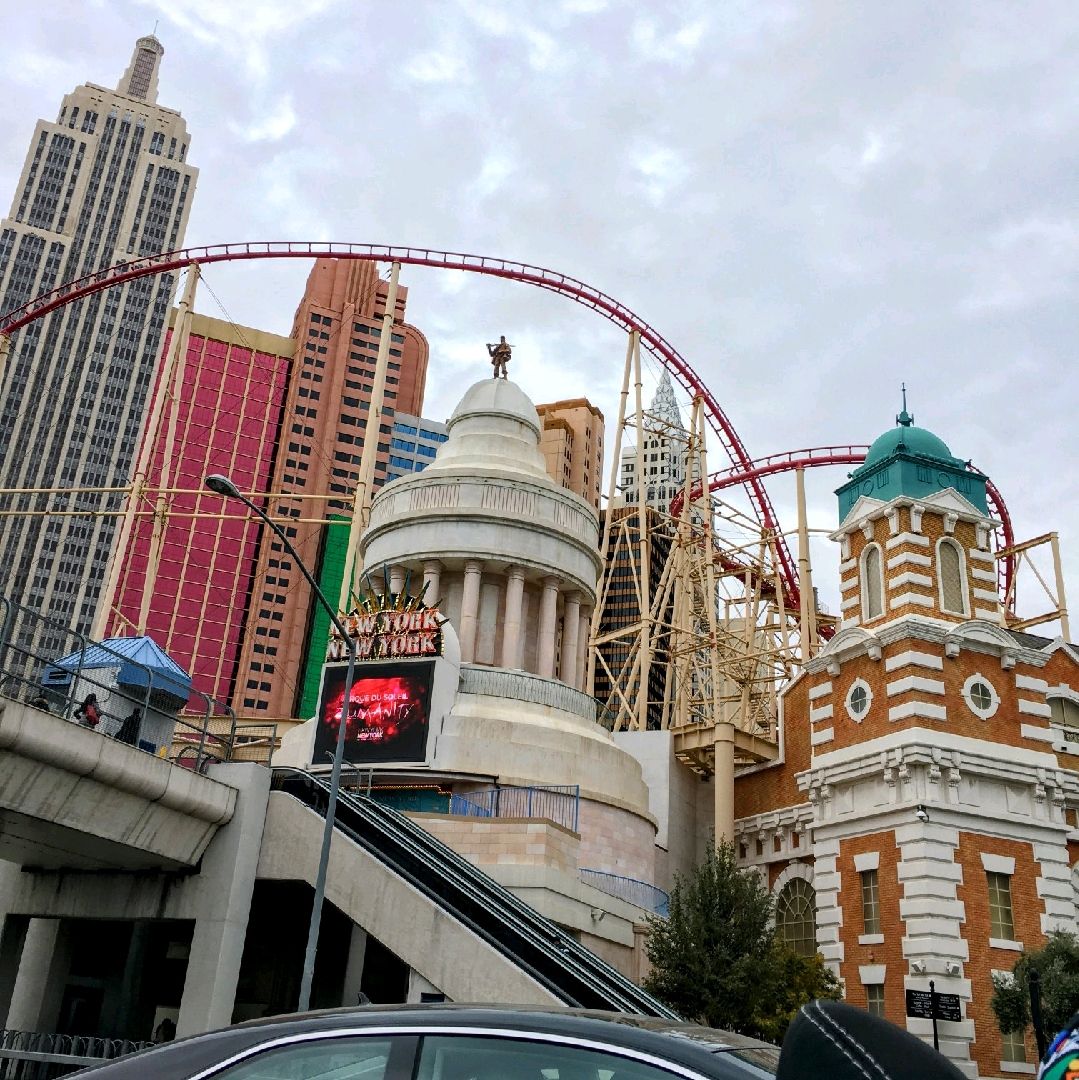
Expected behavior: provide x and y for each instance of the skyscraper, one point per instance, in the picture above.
(336, 332)
(665, 442)
(572, 445)
(229, 421)
(107, 180)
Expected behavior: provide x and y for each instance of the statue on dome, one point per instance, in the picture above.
(500, 354)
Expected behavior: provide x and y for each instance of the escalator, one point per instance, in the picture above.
(569, 971)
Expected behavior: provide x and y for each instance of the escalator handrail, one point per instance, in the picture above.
(522, 930)
(547, 940)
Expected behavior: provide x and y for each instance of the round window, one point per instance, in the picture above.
(859, 698)
(981, 698)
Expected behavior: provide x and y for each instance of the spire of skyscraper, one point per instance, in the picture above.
(664, 407)
(140, 78)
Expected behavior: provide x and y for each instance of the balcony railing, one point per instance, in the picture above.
(560, 804)
(638, 893)
(30, 645)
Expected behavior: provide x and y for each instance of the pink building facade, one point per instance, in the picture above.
(235, 382)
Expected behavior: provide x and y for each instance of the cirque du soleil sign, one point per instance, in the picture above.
(390, 627)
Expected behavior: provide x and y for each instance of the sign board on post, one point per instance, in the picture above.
(920, 1004)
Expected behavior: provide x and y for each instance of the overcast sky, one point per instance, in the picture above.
(812, 201)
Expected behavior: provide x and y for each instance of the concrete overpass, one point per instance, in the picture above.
(71, 799)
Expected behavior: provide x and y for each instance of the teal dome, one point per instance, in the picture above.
(914, 440)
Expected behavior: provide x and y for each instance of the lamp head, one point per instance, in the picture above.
(922, 814)
(222, 485)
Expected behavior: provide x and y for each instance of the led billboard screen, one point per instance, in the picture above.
(388, 714)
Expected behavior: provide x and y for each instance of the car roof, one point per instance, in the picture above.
(685, 1044)
(626, 1029)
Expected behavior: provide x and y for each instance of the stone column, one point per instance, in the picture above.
(571, 625)
(223, 904)
(397, 579)
(470, 609)
(12, 936)
(357, 948)
(43, 971)
(582, 650)
(548, 625)
(432, 582)
(511, 625)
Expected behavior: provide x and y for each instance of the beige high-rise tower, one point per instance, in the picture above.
(107, 180)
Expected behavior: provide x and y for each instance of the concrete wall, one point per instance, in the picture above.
(70, 797)
(440, 950)
(216, 898)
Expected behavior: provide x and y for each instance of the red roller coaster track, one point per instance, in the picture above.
(743, 471)
(791, 460)
(576, 290)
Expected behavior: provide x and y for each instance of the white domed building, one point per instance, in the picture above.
(511, 561)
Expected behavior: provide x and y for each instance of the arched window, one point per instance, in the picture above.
(872, 584)
(1065, 713)
(796, 917)
(950, 578)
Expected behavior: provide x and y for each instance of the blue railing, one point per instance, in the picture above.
(638, 893)
(561, 804)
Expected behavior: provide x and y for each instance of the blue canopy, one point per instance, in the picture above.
(139, 660)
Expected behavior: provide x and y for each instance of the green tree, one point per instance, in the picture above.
(715, 958)
(1057, 963)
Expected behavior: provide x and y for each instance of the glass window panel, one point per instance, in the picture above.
(950, 569)
(352, 1058)
(1001, 919)
(461, 1057)
(796, 917)
(870, 902)
(874, 584)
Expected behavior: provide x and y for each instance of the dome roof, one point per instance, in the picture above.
(495, 429)
(496, 397)
(913, 440)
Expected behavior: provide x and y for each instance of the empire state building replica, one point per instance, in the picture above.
(107, 181)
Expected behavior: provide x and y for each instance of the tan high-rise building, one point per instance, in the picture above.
(572, 445)
(336, 332)
(108, 180)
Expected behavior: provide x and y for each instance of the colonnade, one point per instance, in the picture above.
(568, 658)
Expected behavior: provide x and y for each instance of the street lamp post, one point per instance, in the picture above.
(222, 485)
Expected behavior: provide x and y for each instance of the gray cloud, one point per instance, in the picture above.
(813, 201)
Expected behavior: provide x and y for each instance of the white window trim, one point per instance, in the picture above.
(863, 559)
(868, 860)
(1005, 943)
(872, 974)
(858, 717)
(998, 864)
(984, 714)
(962, 578)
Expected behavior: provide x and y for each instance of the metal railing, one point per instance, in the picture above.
(638, 893)
(130, 712)
(42, 1055)
(576, 976)
(560, 804)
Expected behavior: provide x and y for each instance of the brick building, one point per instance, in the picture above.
(572, 445)
(920, 822)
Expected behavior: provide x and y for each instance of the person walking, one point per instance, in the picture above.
(129, 729)
(87, 712)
